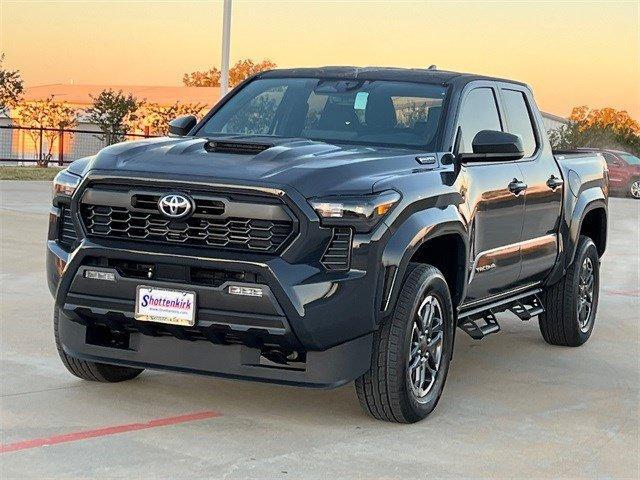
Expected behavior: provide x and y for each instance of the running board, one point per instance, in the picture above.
(481, 321)
(477, 330)
(527, 308)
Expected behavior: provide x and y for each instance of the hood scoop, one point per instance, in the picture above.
(240, 148)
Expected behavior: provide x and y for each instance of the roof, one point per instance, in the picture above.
(81, 94)
(422, 75)
(556, 118)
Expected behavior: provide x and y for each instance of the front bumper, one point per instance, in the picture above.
(324, 369)
(304, 310)
(321, 320)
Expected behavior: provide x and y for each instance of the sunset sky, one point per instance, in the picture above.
(571, 53)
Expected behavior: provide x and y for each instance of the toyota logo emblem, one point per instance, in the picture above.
(175, 205)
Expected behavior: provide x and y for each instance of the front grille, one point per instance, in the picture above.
(218, 222)
(67, 235)
(231, 233)
(337, 256)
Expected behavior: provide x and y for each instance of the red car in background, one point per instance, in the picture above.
(624, 171)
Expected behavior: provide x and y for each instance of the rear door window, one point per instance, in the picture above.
(519, 117)
(479, 112)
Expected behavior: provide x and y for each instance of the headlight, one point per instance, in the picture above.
(363, 212)
(65, 183)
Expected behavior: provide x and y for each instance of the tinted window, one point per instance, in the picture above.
(256, 115)
(515, 105)
(368, 112)
(609, 158)
(479, 112)
(630, 159)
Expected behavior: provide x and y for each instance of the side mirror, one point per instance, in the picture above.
(492, 145)
(182, 125)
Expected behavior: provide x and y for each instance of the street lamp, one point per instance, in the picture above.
(226, 43)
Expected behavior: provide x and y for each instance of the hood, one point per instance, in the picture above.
(312, 168)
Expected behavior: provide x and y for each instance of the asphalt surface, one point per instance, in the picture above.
(513, 405)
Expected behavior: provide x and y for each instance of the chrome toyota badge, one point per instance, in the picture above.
(175, 205)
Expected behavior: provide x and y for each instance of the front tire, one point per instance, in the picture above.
(634, 188)
(411, 351)
(571, 304)
(91, 371)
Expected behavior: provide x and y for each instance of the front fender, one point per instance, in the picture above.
(417, 229)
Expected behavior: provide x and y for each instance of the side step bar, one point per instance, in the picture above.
(481, 321)
(527, 308)
(477, 330)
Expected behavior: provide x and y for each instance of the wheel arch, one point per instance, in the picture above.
(451, 266)
(421, 238)
(587, 216)
(593, 224)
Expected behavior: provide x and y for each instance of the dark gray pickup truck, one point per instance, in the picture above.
(326, 225)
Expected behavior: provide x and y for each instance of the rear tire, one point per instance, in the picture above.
(571, 304)
(411, 351)
(91, 371)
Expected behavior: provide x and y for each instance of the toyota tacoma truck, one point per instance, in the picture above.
(325, 225)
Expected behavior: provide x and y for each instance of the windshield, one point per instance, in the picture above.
(630, 159)
(399, 114)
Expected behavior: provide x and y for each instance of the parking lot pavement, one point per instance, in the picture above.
(513, 405)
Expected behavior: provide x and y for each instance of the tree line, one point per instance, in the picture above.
(239, 72)
(605, 128)
(117, 114)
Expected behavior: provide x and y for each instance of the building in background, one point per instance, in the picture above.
(553, 122)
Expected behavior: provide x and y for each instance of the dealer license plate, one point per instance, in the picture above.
(176, 307)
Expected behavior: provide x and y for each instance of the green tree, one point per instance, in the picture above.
(154, 118)
(243, 69)
(598, 128)
(47, 118)
(113, 112)
(210, 78)
(240, 71)
(11, 87)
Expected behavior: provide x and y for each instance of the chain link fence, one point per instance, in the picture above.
(49, 146)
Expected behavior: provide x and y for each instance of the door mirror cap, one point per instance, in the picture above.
(182, 125)
(494, 146)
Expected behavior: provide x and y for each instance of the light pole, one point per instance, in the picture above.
(226, 43)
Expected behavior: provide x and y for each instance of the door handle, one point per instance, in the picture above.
(554, 182)
(517, 187)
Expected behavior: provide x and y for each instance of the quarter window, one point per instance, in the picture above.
(479, 112)
(515, 105)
